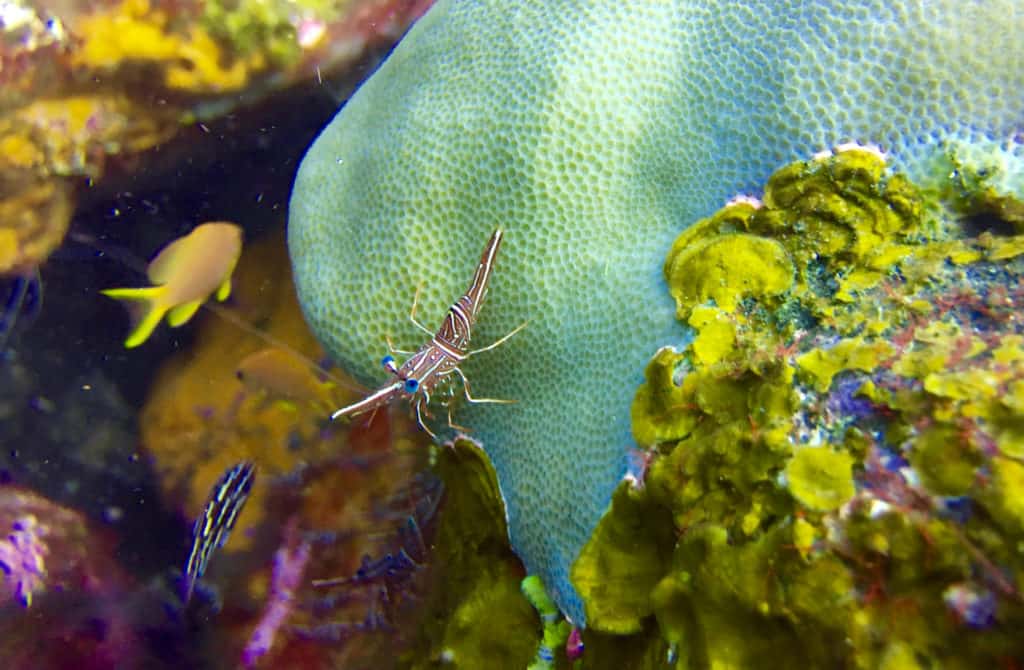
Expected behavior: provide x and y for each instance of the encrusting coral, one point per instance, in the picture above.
(835, 462)
(593, 132)
(91, 86)
(65, 600)
(47, 548)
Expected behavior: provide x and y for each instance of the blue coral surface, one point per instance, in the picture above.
(594, 132)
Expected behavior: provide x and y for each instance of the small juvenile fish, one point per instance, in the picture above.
(279, 376)
(212, 527)
(186, 273)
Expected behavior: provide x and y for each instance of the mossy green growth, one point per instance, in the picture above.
(478, 617)
(822, 221)
(1005, 499)
(556, 628)
(821, 479)
(706, 270)
(974, 189)
(717, 334)
(482, 612)
(734, 604)
(617, 571)
(841, 456)
(264, 27)
(944, 465)
(823, 364)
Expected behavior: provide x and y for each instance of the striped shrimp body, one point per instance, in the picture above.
(435, 366)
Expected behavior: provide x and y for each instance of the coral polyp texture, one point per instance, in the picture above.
(836, 460)
(593, 132)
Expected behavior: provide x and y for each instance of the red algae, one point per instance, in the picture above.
(49, 549)
(65, 602)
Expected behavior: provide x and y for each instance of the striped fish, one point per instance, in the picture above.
(212, 527)
(437, 362)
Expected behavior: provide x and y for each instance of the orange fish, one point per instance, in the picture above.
(281, 376)
(186, 273)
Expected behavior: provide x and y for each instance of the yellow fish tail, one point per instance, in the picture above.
(225, 289)
(182, 313)
(147, 318)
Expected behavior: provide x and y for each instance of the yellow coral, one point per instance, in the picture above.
(52, 138)
(204, 71)
(136, 32)
(821, 479)
(856, 353)
(20, 152)
(716, 334)
(72, 135)
(129, 32)
(1006, 498)
(33, 220)
(727, 268)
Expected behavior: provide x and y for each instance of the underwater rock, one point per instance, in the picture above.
(593, 132)
(843, 478)
(91, 86)
(65, 600)
(46, 548)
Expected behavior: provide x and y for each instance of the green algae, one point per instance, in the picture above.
(839, 453)
(732, 604)
(616, 573)
(483, 613)
(945, 466)
(822, 365)
(821, 479)
(703, 271)
(838, 217)
(264, 27)
(478, 617)
(717, 334)
(973, 189)
(556, 628)
(1005, 500)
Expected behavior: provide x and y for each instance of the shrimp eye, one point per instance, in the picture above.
(388, 362)
(411, 385)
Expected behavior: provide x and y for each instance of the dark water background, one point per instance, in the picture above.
(70, 394)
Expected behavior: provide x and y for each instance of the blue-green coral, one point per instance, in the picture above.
(844, 474)
(593, 132)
